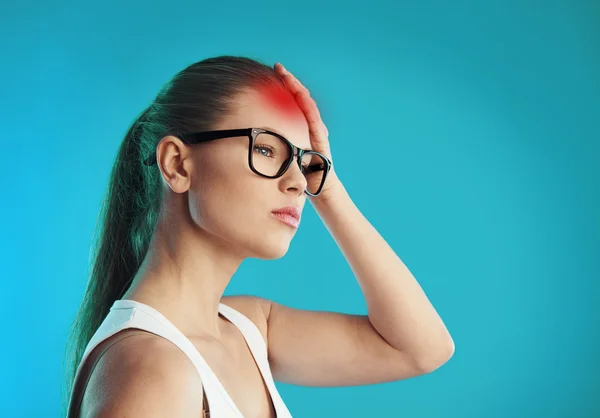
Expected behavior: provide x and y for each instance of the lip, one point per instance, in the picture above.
(289, 215)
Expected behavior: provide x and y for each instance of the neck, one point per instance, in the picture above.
(184, 276)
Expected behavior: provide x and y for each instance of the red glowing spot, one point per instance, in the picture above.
(280, 98)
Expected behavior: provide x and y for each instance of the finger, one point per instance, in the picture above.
(307, 107)
(311, 104)
(311, 113)
(297, 85)
(293, 83)
(307, 103)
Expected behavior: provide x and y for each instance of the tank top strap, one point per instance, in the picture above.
(258, 346)
(126, 313)
(249, 330)
(147, 318)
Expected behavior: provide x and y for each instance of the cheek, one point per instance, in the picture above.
(229, 201)
(236, 209)
(227, 195)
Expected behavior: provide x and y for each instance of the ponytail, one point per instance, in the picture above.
(127, 220)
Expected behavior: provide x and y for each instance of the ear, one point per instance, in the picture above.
(174, 160)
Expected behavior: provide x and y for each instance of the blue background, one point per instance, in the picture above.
(482, 124)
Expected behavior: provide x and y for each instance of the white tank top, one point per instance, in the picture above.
(126, 313)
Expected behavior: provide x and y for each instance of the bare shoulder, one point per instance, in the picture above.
(255, 308)
(143, 375)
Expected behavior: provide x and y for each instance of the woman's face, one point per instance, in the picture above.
(229, 201)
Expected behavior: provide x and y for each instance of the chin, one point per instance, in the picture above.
(276, 250)
(270, 246)
(265, 243)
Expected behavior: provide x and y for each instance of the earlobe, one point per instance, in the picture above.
(178, 184)
(177, 176)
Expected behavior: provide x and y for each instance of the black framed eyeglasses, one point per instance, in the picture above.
(269, 155)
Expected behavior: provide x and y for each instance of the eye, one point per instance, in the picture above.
(264, 150)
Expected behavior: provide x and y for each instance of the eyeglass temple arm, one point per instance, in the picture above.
(196, 138)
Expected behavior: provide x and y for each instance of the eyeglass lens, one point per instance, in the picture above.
(270, 154)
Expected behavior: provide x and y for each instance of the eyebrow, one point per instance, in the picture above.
(276, 131)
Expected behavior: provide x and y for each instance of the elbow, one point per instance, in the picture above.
(434, 361)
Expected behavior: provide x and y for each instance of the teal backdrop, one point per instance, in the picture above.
(467, 132)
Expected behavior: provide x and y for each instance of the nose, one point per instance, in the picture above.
(293, 179)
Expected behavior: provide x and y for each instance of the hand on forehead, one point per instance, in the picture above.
(275, 108)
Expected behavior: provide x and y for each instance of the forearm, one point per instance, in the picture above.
(397, 306)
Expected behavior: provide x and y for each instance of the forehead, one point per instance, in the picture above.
(273, 108)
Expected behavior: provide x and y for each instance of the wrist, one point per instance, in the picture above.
(332, 188)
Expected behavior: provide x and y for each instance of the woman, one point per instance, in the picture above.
(216, 170)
